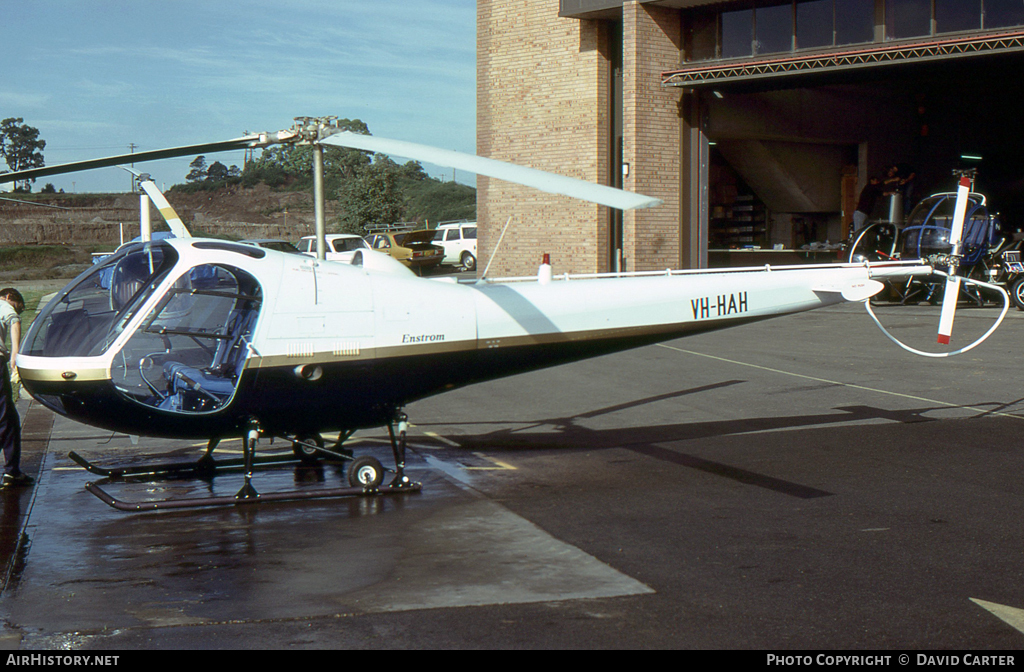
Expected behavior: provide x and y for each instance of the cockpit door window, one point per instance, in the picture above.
(86, 319)
(189, 352)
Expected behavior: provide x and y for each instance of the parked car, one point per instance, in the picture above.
(459, 242)
(273, 244)
(412, 248)
(340, 246)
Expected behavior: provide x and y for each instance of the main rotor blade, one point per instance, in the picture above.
(510, 172)
(953, 281)
(139, 157)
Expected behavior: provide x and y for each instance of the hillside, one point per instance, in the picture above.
(97, 219)
(53, 235)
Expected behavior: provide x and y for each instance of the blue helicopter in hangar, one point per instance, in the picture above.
(194, 338)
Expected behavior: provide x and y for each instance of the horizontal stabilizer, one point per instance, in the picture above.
(862, 290)
(177, 227)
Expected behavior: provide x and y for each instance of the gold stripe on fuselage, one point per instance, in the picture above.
(303, 356)
(63, 375)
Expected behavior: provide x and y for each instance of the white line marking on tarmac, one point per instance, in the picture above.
(1010, 615)
(501, 466)
(438, 437)
(850, 385)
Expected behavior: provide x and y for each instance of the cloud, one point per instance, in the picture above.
(110, 73)
(23, 101)
(105, 89)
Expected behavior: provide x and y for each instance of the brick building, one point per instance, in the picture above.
(757, 122)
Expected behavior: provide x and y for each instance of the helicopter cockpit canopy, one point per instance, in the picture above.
(86, 319)
(928, 228)
(185, 349)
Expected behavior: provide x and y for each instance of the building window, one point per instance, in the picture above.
(1003, 13)
(908, 18)
(778, 26)
(952, 16)
(814, 24)
(855, 21)
(703, 36)
(738, 33)
(773, 29)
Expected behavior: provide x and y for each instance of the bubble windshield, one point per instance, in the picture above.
(188, 354)
(929, 227)
(86, 319)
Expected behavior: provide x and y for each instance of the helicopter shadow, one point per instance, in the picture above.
(571, 435)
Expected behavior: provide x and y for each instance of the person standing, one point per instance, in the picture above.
(866, 203)
(11, 306)
(906, 174)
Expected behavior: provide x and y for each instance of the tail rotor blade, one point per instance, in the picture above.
(948, 309)
(953, 281)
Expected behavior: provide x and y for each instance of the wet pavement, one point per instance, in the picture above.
(98, 570)
(801, 483)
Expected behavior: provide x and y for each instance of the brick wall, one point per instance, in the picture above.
(542, 101)
(651, 135)
(543, 86)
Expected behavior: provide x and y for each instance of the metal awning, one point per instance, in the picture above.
(717, 72)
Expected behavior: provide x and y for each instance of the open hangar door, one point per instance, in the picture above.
(790, 155)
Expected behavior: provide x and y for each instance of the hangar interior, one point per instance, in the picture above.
(791, 151)
(797, 153)
(801, 102)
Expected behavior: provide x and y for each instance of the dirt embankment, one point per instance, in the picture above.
(102, 219)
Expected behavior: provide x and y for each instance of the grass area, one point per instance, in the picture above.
(33, 292)
(39, 270)
(15, 257)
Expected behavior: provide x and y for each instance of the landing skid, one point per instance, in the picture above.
(201, 467)
(365, 473)
(234, 500)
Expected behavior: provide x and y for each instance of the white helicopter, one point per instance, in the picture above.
(194, 338)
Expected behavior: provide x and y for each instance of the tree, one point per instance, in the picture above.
(208, 178)
(21, 147)
(217, 172)
(436, 201)
(344, 162)
(294, 163)
(197, 170)
(413, 170)
(292, 160)
(373, 197)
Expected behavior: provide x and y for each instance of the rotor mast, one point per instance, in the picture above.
(311, 130)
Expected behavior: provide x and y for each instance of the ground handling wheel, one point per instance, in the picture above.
(303, 448)
(365, 472)
(1017, 292)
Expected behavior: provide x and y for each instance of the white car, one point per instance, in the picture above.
(340, 246)
(459, 242)
(272, 244)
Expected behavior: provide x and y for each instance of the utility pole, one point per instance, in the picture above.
(131, 150)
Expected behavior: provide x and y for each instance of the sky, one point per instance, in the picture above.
(97, 76)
